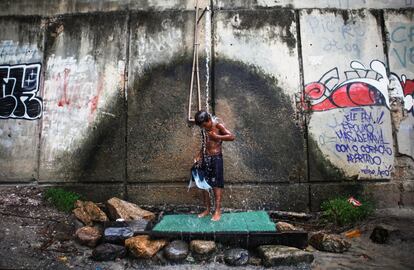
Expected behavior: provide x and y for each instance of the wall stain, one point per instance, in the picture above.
(249, 20)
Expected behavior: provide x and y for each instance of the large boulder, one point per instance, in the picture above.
(87, 212)
(108, 252)
(176, 250)
(143, 247)
(329, 242)
(88, 236)
(274, 255)
(202, 247)
(236, 256)
(128, 211)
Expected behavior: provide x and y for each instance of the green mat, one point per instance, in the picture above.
(229, 222)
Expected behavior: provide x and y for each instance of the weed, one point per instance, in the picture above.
(62, 199)
(341, 212)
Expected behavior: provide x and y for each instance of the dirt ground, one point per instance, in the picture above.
(34, 235)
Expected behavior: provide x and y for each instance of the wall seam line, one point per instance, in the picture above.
(126, 82)
(42, 93)
(303, 118)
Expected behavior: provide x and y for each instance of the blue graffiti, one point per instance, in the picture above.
(404, 35)
(386, 172)
(361, 139)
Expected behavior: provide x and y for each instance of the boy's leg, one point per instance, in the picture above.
(217, 212)
(206, 198)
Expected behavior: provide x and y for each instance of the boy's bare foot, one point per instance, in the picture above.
(216, 216)
(204, 213)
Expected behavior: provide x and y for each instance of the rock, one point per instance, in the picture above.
(256, 261)
(190, 259)
(329, 242)
(236, 256)
(289, 215)
(176, 250)
(115, 224)
(87, 212)
(143, 247)
(76, 222)
(117, 235)
(137, 226)
(82, 216)
(284, 226)
(202, 247)
(274, 255)
(384, 233)
(108, 252)
(160, 258)
(88, 236)
(128, 211)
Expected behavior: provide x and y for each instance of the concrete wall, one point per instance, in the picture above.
(318, 93)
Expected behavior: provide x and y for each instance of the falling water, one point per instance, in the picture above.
(207, 36)
(207, 31)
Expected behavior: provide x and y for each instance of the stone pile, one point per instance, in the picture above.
(112, 236)
(122, 231)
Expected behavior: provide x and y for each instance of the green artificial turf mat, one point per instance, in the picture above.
(229, 222)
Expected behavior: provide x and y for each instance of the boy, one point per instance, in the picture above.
(216, 133)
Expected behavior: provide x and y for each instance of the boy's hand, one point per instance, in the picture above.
(213, 135)
(197, 158)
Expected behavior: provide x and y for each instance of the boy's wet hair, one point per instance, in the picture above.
(201, 117)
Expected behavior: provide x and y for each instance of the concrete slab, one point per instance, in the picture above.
(256, 75)
(399, 25)
(345, 49)
(161, 144)
(21, 59)
(83, 131)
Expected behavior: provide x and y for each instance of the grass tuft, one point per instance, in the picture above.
(341, 212)
(62, 199)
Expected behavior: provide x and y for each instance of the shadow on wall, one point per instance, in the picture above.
(160, 145)
(269, 146)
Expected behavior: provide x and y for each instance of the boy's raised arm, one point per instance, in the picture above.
(226, 134)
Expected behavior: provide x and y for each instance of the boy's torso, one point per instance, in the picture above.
(213, 147)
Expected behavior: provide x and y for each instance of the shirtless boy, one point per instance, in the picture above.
(216, 133)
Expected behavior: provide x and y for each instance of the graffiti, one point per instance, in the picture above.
(149, 46)
(403, 35)
(403, 89)
(16, 52)
(338, 37)
(363, 87)
(360, 139)
(348, 4)
(19, 86)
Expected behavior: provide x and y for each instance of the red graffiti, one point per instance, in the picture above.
(94, 101)
(408, 87)
(349, 95)
(64, 100)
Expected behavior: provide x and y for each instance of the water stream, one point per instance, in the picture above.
(207, 36)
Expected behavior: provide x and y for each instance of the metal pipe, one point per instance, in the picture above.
(195, 65)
